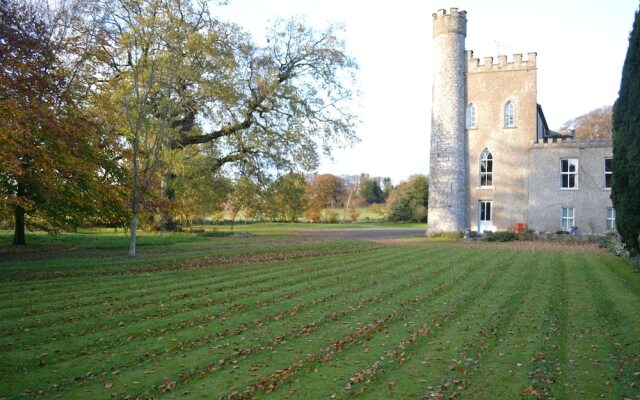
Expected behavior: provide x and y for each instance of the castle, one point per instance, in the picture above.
(494, 161)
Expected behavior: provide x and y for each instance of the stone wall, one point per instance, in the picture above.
(490, 87)
(590, 200)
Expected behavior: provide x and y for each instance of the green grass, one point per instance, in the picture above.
(274, 316)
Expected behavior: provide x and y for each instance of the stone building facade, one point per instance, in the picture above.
(515, 169)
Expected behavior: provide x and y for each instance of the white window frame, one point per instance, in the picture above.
(567, 218)
(568, 173)
(608, 173)
(611, 219)
(509, 112)
(486, 158)
(471, 116)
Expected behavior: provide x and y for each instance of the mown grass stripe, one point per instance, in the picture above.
(392, 292)
(404, 363)
(231, 309)
(147, 360)
(401, 347)
(586, 348)
(50, 318)
(222, 270)
(369, 329)
(618, 316)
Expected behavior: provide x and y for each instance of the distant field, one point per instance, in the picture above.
(278, 315)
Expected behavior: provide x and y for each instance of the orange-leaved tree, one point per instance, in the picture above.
(59, 169)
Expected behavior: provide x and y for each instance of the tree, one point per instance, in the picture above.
(247, 196)
(197, 191)
(625, 189)
(596, 123)
(286, 197)
(60, 163)
(325, 190)
(370, 189)
(190, 80)
(409, 201)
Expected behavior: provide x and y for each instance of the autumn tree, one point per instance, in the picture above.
(409, 201)
(625, 189)
(595, 123)
(285, 197)
(324, 190)
(60, 165)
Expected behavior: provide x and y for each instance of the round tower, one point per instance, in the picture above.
(448, 183)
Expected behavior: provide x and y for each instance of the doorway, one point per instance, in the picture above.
(485, 211)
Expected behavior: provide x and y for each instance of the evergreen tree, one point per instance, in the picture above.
(625, 191)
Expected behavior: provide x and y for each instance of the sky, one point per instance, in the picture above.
(580, 46)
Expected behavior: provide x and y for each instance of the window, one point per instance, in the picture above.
(567, 220)
(608, 172)
(486, 168)
(611, 219)
(509, 114)
(569, 173)
(471, 116)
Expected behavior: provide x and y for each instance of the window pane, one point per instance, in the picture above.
(565, 165)
(607, 165)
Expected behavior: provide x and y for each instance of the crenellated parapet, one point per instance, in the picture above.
(474, 65)
(586, 142)
(453, 22)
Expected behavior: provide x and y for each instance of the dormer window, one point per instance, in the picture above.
(509, 119)
(471, 116)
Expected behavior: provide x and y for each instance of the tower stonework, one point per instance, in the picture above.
(448, 186)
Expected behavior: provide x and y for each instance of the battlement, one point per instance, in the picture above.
(588, 142)
(474, 65)
(453, 22)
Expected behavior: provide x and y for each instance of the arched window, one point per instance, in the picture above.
(486, 168)
(471, 116)
(509, 114)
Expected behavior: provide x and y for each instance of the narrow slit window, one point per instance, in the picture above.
(471, 116)
(509, 117)
(608, 172)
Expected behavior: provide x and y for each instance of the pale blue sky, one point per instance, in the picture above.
(581, 47)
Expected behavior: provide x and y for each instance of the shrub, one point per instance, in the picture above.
(332, 217)
(501, 236)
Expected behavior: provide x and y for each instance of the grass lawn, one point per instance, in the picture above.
(274, 315)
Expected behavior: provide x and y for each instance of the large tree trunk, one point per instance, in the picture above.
(168, 223)
(19, 233)
(134, 225)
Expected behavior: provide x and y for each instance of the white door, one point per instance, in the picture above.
(484, 216)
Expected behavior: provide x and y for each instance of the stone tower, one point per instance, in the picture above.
(448, 189)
